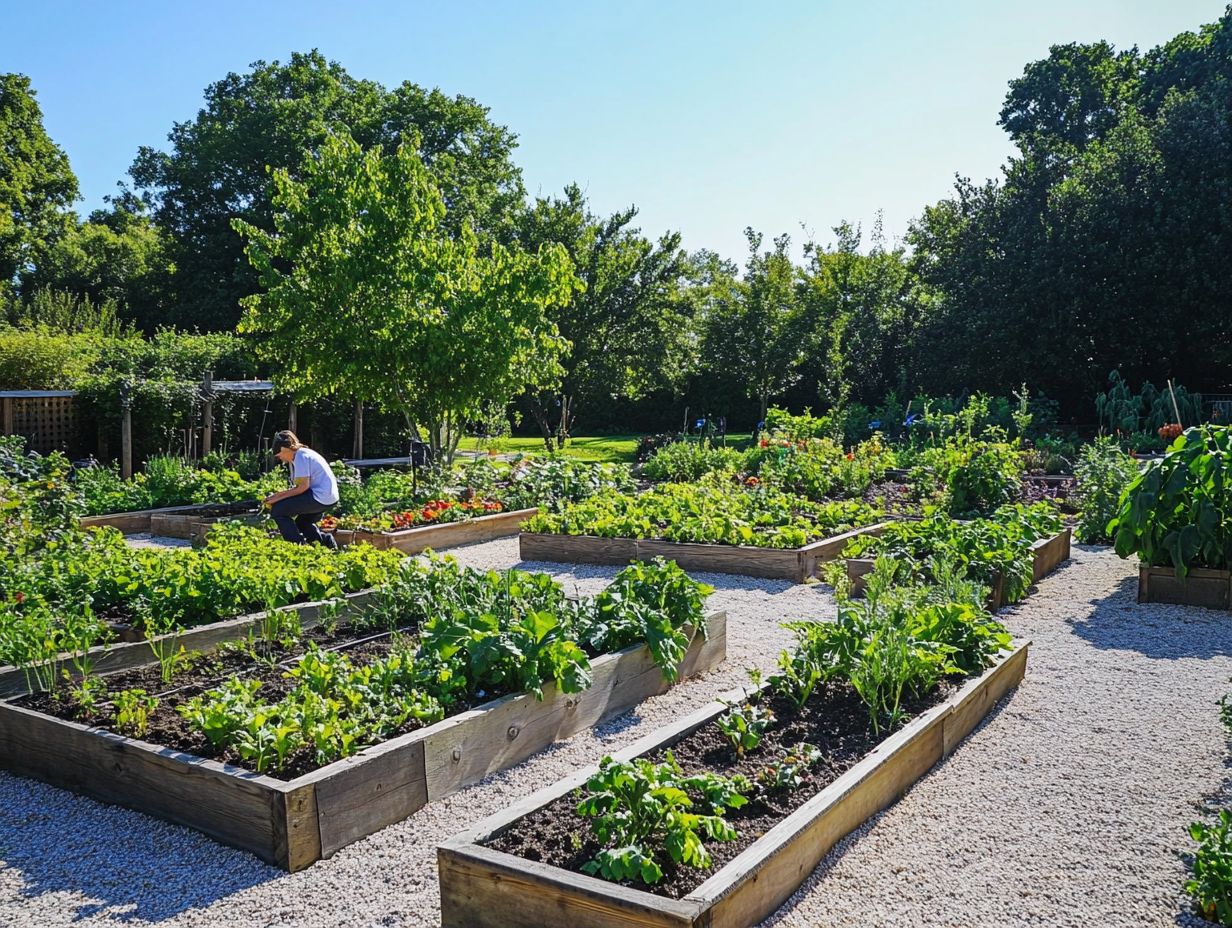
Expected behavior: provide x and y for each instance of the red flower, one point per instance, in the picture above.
(850, 456)
(19, 597)
(764, 443)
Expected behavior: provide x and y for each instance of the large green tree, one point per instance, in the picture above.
(756, 327)
(218, 166)
(37, 186)
(367, 294)
(629, 327)
(1106, 244)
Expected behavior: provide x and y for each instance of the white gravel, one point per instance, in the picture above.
(1067, 807)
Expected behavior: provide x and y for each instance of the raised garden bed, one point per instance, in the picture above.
(1047, 555)
(292, 823)
(798, 564)
(133, 650)
(132, 523)
(445, 535)
(487, 888)
(1201, 586)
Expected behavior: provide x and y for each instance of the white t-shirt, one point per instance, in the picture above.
(322, 483)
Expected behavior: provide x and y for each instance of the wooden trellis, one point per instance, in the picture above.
(47, 419)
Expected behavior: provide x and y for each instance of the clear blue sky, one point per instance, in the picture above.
(709, 116)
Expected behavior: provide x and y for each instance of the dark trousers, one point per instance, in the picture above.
(297, 517)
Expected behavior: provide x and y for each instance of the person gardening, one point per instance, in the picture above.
(297, 509)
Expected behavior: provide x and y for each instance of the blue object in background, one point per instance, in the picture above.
(874, 425)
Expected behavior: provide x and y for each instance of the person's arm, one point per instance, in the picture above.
(301, 486)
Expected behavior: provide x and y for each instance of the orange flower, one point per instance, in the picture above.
(850, 456)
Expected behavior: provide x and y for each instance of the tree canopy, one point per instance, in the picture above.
(367, 294)
(219, 164)
(37, 185)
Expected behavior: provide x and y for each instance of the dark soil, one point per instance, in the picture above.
(834, 720)
(222, 509)
(169, 729)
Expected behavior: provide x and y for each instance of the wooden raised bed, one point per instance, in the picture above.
(1047, 555)
(136, 650)
(1202, 586)
(446, 535)
(171, 521)
(485, 888)
(292, 823)
(798, 564)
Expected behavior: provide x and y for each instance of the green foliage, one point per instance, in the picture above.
(899, 639)
(982, 549)
(968, 478)
(132, 711)
(1211, 884)
(787, 773)
(629, 326)
(1123, 413)
(37, 186)
(217, 165)
(1178, 511)
(744, 725)
(1103, 472)
(646, 813)
(433, 327)
(818, 468)
(557, 481)
(714, 513)
(687, 461)
(782, 424)
(166, 481)
(756, 326)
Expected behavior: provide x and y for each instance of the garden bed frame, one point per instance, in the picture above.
(1047, 555)
(445, 535)
(293, 823)
(798, 564)
(1202, 586)
(486, 888)
(133, 650)
(172, 521)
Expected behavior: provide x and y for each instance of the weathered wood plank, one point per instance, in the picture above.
(797, 564)
(579, 549)
(446, 535)
(1202, 586)
(482, 888)
(360, 795)
(750, 561)
(1049, 553)
(233, 806)
(137, 521)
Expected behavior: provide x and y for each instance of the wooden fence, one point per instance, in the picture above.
(47, 419)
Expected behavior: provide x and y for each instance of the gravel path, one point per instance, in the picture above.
(1067, 807)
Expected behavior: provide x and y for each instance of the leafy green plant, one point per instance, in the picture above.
(787, 773)
(686, 461)
(644, 812)
(132, 711)
(968, 477)
(1178, 511)
(744, 725)
(714, 512)
(1211, 883)
(1103, 473)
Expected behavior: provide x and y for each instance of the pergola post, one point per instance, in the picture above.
(126, 431)
(293, 418)
(6, 414)
(207, 413)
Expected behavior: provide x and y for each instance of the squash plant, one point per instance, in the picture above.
(1178, 511)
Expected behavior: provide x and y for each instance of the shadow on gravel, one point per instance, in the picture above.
(1119, 622)
(110, 863)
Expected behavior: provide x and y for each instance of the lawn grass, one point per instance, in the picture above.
(605, 448)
